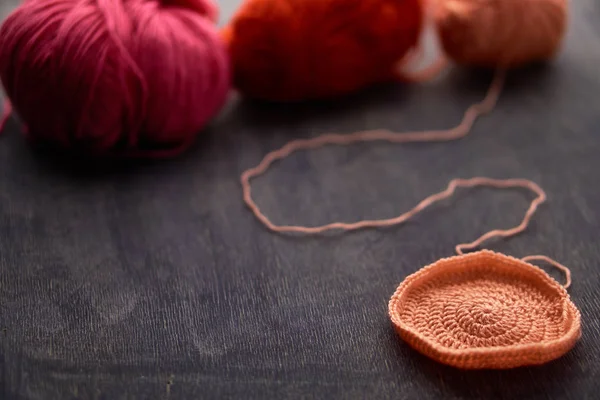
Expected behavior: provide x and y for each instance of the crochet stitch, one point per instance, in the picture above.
(485, 310)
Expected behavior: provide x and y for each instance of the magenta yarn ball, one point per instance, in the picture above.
(128, 77)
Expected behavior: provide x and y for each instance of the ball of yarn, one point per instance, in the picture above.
(492, 33)
(287, 50)
(134, 77)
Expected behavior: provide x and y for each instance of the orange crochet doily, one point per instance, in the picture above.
(485, 310)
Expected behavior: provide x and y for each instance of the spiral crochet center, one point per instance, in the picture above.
(471, 310)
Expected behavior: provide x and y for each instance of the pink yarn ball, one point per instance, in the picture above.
(127, 77)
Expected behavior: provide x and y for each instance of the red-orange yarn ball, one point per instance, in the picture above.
(289, 50)
(492, 33)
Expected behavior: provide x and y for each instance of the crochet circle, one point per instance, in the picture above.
(485, 310)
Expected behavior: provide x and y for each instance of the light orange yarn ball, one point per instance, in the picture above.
(491, 33)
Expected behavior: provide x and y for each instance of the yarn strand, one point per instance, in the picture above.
(501, 184)
(458, 132)
(461, 130)
(555, 264)
(425, 74)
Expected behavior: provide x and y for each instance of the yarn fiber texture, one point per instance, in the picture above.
(289, 50)
(131, 77)
(508, 33)
(485, 310)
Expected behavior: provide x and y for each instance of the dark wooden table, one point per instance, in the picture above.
(155, 282)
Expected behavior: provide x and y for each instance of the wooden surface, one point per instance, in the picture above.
(155, 282)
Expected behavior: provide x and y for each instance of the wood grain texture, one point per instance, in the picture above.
(153, 281)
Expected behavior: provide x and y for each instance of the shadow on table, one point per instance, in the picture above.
(246, 119)
(549, 380)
